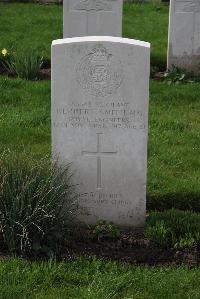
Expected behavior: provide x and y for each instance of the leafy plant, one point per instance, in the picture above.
(173, 229)
(26, 65)
(187, 241)
(36, 205)
(158, 233)
(177, 76)
(104, 229)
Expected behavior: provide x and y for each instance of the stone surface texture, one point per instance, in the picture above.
(92, 17)
(100, 90)
(184, 35)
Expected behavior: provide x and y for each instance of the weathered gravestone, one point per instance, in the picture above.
(184, 35)
(99, 123)
(92, 17)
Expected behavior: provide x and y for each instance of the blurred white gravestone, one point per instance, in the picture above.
(92, 17)
(100, 89)
(184, 35)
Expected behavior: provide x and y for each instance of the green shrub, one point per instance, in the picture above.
(173, 229)
(26, 65)
(177, 76)
(36, 205)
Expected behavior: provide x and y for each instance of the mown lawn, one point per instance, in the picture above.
(95, 279)
(30, 26)
(148, 22)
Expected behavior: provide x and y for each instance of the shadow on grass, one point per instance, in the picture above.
(182, 201)
(159, 62)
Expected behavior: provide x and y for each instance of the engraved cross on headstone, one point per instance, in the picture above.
(191, 6)
(98, 154)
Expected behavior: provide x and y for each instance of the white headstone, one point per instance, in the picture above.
(100, 89)
(92, 17)
(184, 35)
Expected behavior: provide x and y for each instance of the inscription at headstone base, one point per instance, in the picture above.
(184, 35)
(100, 124)
(92, 17)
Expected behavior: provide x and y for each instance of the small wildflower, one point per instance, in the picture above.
(4, 52)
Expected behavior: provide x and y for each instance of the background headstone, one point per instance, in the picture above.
(184, 35)
(100, 94)
(92, 17)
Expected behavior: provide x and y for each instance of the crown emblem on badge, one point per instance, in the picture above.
(99, 54)
(99, 73)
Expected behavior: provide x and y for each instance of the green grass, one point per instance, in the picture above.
(174, 144)
(30, 26)
(173, 229)
(25, 116)
(148, 22)
(93, 279)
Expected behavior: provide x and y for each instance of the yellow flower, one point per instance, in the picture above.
(4, 52)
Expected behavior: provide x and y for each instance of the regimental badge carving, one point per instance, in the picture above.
(187, 6)
(94, 5)
(99, 73)
(192, 6)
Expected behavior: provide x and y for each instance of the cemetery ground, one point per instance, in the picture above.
(173, 175)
